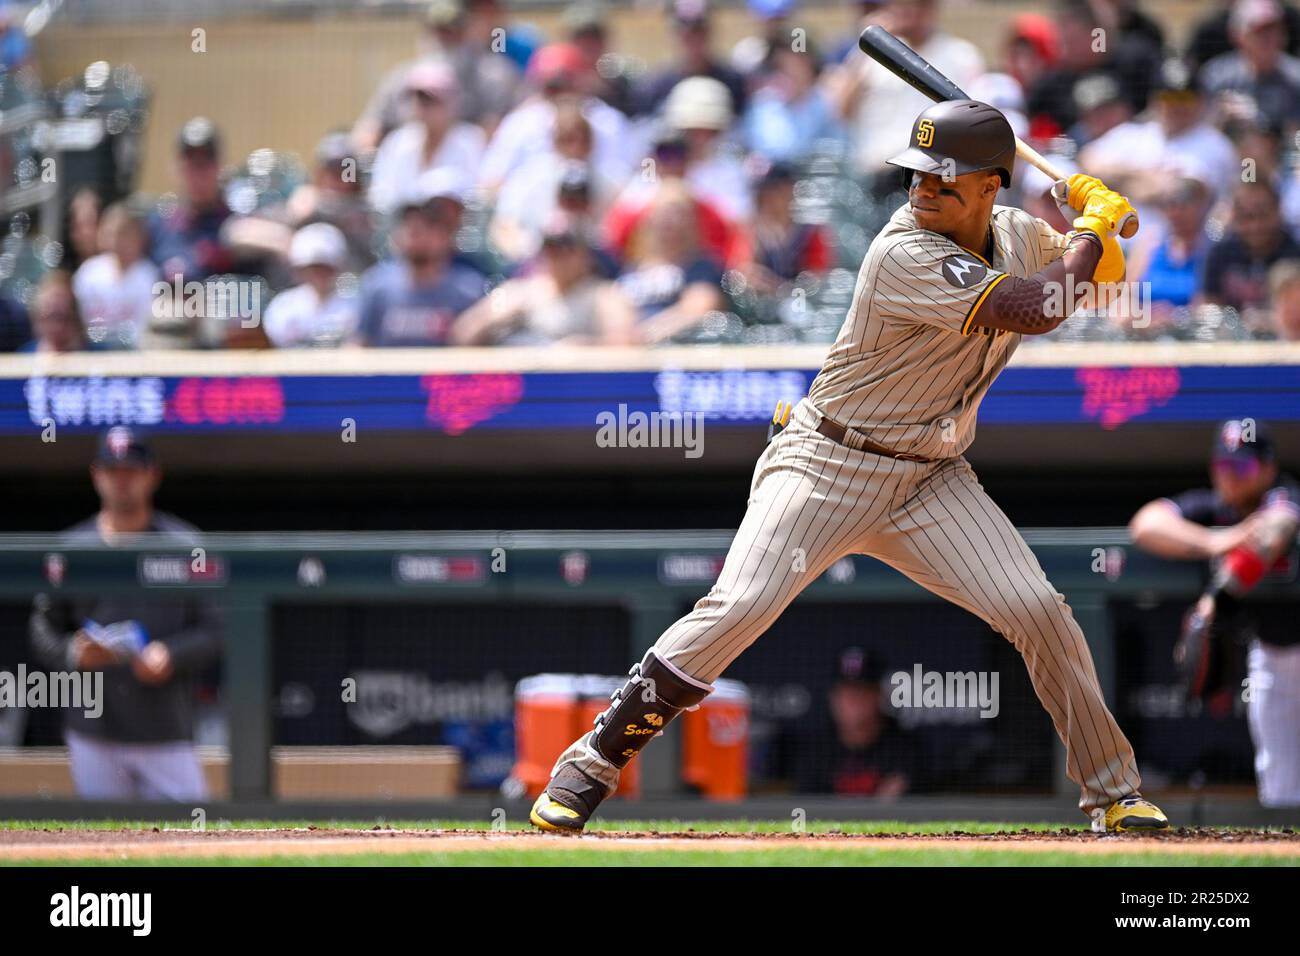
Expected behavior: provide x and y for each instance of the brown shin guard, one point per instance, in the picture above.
(639, 710)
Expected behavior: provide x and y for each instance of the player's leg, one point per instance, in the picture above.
(810, 500)
(1273, 713)
(169, 771)
(951, 538)
(99, 771)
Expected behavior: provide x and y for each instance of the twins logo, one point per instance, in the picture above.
(962, 271)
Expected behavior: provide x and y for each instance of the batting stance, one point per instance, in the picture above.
(871, 463)
(1244, 525)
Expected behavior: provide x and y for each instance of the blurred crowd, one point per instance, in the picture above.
(501, 190)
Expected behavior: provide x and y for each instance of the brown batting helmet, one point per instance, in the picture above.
(960, 136)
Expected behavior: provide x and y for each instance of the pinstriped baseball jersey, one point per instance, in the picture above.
(908, 370)
(906, 360)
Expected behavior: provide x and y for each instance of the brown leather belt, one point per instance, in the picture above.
(838, 433)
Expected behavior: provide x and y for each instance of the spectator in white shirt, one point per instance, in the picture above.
(563, 301)
(879, 107)
(314, 313)
(697, 115)
(1140, 156)
(114, 289)
(433, 140)
(532, 192)
(554, 73)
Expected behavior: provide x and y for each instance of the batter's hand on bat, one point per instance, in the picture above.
(1105, 212)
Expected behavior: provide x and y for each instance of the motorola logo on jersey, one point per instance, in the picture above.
(963, 271)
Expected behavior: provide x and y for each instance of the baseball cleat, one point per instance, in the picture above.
(568, 801)
(1129, 813)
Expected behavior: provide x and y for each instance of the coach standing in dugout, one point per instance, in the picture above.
(1245, 526)
(142, 745)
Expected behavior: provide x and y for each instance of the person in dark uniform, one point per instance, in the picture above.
(150, 651)
(857, 750)
(1244, 526)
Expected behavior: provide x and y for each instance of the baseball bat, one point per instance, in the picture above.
(917, 72)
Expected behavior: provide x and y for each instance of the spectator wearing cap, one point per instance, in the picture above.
(1236, 267)
(1258, 68)
(879, 108)
(854, 748)
(553, 75)
(433, 140)
(534, 190)
(315, 312)
(1100, 106)
(414, 299)
(780, 248)
(56, 319)
(1030, 53)
(699, 110)
(186, 240)
(334, 195)
(115, 289)
(1140, 155)
(790, 112)
(674, 285)
(1284, 300)
(488, 82)
(693, 56)
(1129, 61)
(1212, 35)
(564, 301)
(149, 649)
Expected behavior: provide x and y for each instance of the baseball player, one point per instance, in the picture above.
(871, 463)
(1245, 526)
(150, 651)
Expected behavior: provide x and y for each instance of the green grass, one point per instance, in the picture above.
(593, 853)
(795, 856)
(662, 826)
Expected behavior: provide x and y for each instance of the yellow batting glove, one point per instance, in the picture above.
(1105, 213)
(1110, 267)
(1079, 187)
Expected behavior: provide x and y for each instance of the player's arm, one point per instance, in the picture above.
(1036, 304)
(1160, 528)
(1041, 302)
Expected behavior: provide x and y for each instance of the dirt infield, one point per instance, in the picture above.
(127, 844)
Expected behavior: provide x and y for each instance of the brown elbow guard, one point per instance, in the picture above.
(1022, 305)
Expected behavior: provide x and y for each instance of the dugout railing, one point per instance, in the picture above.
(262, 580)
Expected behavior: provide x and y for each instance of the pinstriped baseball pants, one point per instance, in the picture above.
(813, 501)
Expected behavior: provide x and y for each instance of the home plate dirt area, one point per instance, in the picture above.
(54, 843)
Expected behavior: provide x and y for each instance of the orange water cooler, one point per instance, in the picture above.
(715, 742)
(551, 712)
